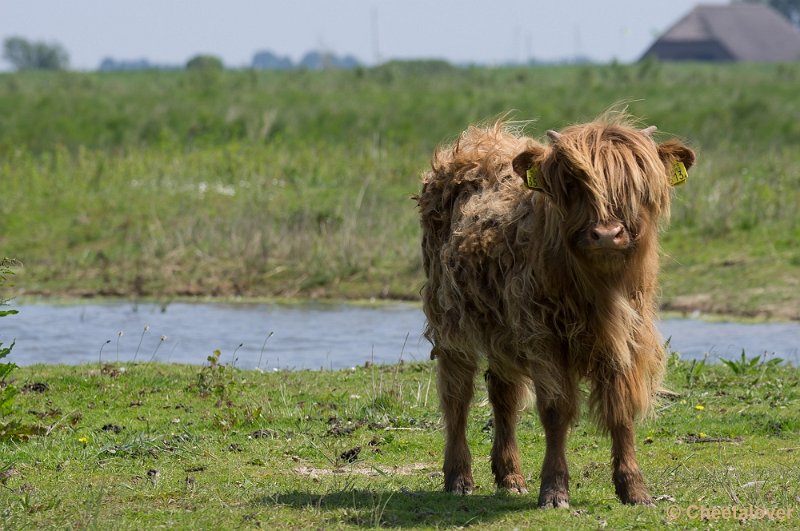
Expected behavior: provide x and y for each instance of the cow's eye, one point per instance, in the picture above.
(571, 187)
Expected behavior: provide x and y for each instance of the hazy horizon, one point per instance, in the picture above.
(372, 31)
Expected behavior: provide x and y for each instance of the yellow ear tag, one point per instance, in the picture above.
(679, 174)
(532, 180)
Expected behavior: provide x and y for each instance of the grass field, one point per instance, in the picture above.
(167, 184)
(137, 446)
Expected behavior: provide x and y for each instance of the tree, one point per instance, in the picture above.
(27, 55)
(323, 60)
(204, 62)
(266, 60)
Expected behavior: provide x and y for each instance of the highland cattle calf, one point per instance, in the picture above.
(543, 259)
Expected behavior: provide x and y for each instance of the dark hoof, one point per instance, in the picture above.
(554, 499)
(461, 485)
(513, 483)
(644, 499)
(631, 490)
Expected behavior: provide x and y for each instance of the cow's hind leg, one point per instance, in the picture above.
(616, 399)
(506, 398)
(557, 403)
(455, 376)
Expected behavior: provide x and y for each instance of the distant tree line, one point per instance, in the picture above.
(34, 55)
(117, 65)
(316, 60)
(263, 60)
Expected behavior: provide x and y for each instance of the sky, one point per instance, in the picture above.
(469, 31)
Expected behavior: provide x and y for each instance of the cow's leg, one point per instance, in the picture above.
(506, 398)
(628, 481)
(455, 376)
(616, 400)
(557, 402)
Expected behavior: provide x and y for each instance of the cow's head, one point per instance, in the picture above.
(608, 185)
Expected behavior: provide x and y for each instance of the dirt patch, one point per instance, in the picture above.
(402, 470)
(36, 387)
(695, 439)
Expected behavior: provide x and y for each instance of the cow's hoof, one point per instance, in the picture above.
(631, 490)
(641, 499)
(557, 499)
(461, 485)
(513, 483)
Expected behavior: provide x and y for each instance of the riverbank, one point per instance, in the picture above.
(738, 289)
(134, 446)
(298, 184)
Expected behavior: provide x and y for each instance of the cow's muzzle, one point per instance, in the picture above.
(607, 236)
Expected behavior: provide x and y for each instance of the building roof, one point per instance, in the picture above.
(743, 32)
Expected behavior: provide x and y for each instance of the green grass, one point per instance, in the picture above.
(141, 446)
(297, 183)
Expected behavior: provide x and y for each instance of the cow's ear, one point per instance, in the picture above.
(674, 150)
(677, 158)
(528, 165)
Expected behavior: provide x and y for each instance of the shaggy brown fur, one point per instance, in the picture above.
(552, 286)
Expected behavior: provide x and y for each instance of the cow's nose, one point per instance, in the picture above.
(609, 235)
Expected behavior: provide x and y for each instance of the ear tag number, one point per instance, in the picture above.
(679, 174)
(532, 180)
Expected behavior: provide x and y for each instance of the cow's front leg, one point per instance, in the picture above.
(628, 481)
(557, 405)
(617, 400)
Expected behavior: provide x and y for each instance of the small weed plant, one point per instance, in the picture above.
(13, 428)
(7, 391)
(745, 365)
(215, 378)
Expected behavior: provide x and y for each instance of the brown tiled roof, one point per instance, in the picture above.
(748, 32)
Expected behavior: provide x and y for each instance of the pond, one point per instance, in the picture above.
(299, 336)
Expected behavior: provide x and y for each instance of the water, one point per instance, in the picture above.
(304, 336)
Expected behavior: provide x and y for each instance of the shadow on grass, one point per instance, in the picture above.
(403, 508)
